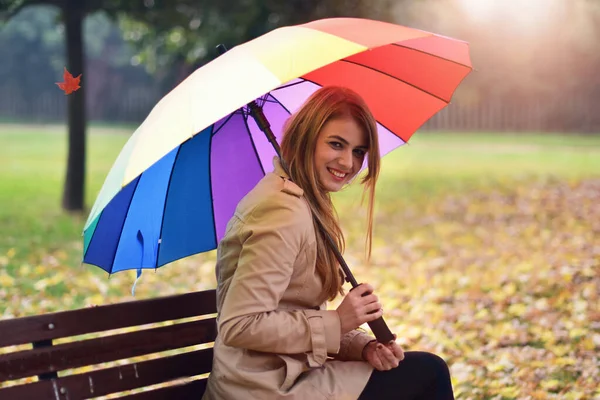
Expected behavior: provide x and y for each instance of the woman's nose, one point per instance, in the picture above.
(346, 160)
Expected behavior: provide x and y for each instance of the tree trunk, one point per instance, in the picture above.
(74, 189)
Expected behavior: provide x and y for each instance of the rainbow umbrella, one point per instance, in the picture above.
(178, 179)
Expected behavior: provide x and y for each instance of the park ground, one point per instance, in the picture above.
(486, 251)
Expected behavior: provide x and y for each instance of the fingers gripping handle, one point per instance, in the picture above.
(379, 327)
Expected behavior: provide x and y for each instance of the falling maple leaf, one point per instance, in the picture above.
(70, 84)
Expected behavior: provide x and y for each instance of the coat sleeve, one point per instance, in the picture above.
(272, 238)
(352, 345)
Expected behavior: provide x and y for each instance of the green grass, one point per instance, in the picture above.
(32, 161)
(434, 164)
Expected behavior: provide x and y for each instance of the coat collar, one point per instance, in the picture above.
(289, 187)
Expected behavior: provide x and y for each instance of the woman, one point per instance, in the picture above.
(276, 339)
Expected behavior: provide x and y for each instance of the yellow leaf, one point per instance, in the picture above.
(588, 344)
(509, 391)
(565, 361)
(40, 285)
(503, 364)
(560, 350)
(552, 384)
(577, 332)
(567, 278)
(574, 395)
(54, 279)
(548, 337)
(537, 364)
(11, 252)
(6, 280)
(95, 300)
(518, 309)
(510, 289)
(24, 270)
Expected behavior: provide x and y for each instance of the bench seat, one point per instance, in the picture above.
(70, 350)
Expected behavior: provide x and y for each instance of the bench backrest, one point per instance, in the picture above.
(52, 360)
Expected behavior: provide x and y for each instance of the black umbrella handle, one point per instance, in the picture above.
(379, 327)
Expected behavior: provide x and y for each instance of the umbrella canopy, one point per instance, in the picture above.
(178, 179)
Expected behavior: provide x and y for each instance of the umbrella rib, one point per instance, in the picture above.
(378, 121)
(266, 100)
(398, 79)
(162, 221)
(124, 220)
(288, 85)
(210, 181)
(262, 100)
(431, 55)
(92, 238)
(278, 102)
(222, 125)
(253, 145)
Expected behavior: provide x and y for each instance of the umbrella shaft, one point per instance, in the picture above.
(378, 326)
(263, 124)
(347, 273)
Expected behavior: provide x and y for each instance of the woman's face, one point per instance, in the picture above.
(340, 152)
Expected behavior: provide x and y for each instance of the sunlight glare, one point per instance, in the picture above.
(478, 9)
(522, 14)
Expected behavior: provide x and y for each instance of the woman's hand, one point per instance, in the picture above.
(383, 357)
(358, 307)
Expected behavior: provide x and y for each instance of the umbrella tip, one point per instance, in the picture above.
(221, 49)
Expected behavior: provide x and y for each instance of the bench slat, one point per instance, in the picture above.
(115, 379)
(96, 319)
(110, 348)
(188, 391)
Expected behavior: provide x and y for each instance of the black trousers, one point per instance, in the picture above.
(420, 376)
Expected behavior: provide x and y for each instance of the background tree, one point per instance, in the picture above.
(168, 34)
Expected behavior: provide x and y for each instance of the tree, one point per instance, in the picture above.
(72, 14)
(169, 33)
(186, 43)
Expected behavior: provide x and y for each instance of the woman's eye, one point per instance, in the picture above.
(359, 153)
(336, 145)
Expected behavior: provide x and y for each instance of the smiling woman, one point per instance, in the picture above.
(275, 273)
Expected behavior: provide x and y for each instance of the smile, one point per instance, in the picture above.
(337, 174)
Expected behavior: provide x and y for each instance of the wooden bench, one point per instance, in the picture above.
(50, 360)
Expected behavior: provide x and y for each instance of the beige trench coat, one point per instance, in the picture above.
(274, 340)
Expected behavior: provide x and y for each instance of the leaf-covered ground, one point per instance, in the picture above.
(487, 252)
(504, 284)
